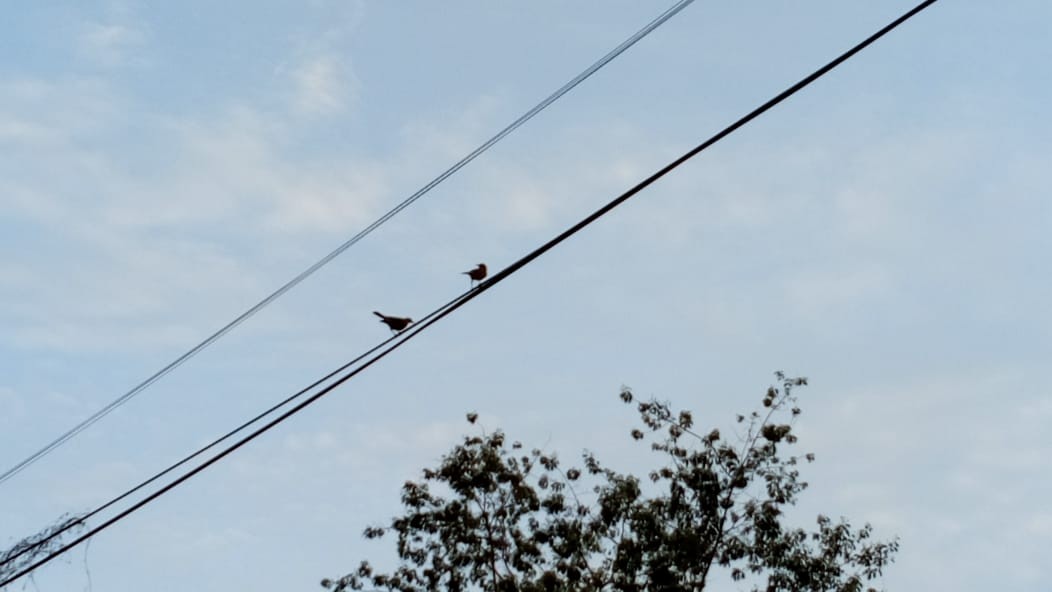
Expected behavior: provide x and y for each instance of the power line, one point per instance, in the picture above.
(397, 338)
(453, 305)
(73, 523)
(119, 401)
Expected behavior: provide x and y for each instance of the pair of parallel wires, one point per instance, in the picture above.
(378, 352)
(121, 400)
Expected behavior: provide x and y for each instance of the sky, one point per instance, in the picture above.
(884, 233)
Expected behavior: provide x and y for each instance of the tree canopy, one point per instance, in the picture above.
(495, 517)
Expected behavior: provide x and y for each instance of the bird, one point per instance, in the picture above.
(478, 274)
(395, 323)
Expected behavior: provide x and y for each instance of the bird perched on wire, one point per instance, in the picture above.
(395, 323)
(478, 274)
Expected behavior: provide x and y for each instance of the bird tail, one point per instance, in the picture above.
(379, 315)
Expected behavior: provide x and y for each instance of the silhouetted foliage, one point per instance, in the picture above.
(33, 547)
(513, 520)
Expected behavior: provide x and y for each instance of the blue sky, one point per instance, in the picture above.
(884, 233)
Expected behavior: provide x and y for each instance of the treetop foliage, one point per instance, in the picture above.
(495, 517)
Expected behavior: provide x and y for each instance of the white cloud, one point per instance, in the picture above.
(111, 44)
(154, 235)
(328, 200)
(321, 76)
(324, 85)
(52, 114)
(239, 168)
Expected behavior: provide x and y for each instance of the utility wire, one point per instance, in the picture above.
(442, 312)
(398, 338)
(119, 401)
(195, 454)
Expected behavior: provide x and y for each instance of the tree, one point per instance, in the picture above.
(493, 517)
(33, 547)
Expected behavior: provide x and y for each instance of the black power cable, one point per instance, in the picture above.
(121, 400)
(81, 520)
(441, 312)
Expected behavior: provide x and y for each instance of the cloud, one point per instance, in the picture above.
(111, 44)
(158, 230)
(321, 76)
(323, 85)
(241, 168)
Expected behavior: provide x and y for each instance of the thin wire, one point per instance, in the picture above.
(398, 338)
(211, 445)
(59, 441)
(449, 308)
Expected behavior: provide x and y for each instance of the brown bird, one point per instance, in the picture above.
(478, 274)
(395, 323)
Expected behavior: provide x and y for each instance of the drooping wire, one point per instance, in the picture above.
(72, 432)
(453, 305)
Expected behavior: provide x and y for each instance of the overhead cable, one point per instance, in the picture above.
(455, 304)
(121, 400)
(70, 524)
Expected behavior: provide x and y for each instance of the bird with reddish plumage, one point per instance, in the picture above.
(478, 274)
